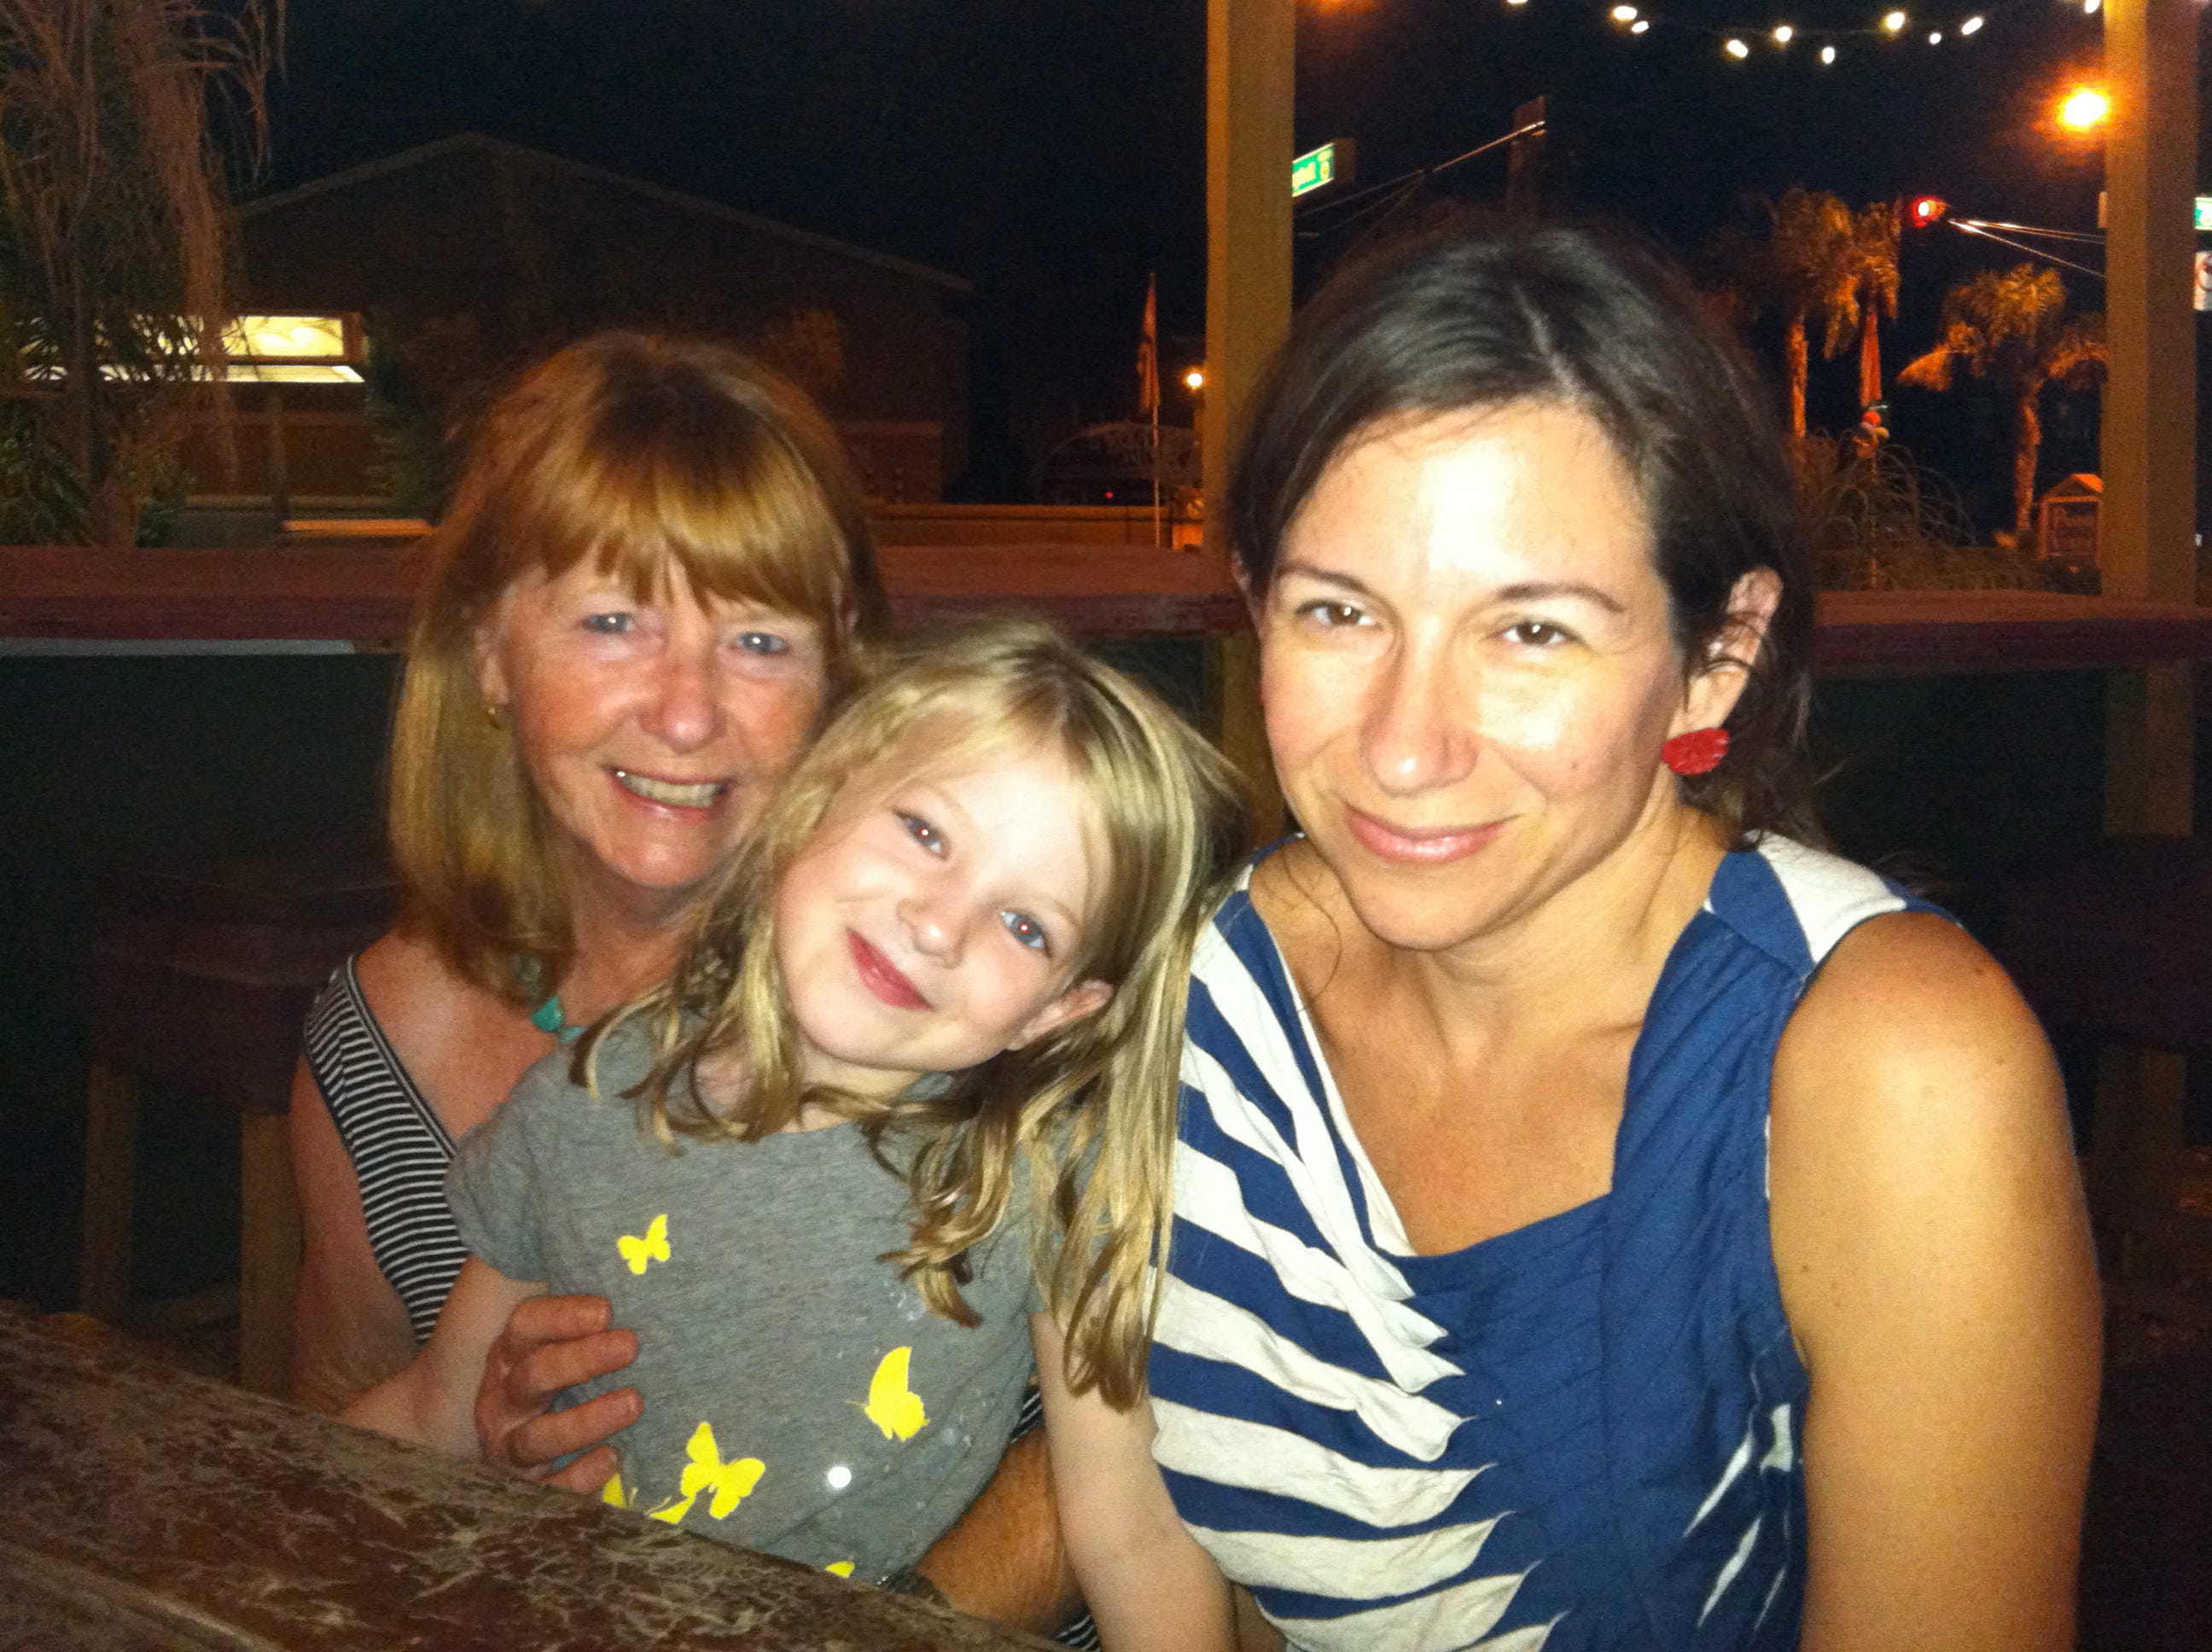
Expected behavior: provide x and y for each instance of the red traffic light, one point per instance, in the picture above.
(1925, 210)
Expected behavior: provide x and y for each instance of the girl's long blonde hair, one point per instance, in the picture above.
(1091, 1107)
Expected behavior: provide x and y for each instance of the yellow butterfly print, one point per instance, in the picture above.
(729, 1482)
(842, 1567)
(653, 1247)
(892, 1407)
(614, 1495)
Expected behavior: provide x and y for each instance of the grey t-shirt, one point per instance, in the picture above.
(798, 1397)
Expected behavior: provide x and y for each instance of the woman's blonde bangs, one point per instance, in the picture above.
(648, 457)
(702, 463)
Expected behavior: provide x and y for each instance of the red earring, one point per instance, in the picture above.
(1698, 752)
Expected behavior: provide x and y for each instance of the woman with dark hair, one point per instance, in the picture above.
(1605, 1219)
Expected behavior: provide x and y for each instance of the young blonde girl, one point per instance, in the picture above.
(953, 950)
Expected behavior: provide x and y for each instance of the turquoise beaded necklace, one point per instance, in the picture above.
(547, 1017)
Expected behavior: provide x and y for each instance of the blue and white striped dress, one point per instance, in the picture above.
(1581, 1434)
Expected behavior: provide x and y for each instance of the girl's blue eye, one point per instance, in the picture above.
(609, 625)
(921, 832)
(1026, 929)
(762, 642)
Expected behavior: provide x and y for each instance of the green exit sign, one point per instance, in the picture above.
(1318, 167)
(1334, 162)
(2203, 210)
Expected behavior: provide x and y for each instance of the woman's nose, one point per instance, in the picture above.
(1418, 732)
(684, 711)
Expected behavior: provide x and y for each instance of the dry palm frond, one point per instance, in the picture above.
(113, 235)
(2010, 328)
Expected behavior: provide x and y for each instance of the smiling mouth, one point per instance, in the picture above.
(703, 794)
(882, 977)
(1418, 846)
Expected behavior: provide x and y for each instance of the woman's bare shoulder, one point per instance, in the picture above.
(1904, 993)
(1914, 1094)
(463, 1048)
(411, 990)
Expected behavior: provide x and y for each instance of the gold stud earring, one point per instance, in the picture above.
(494, 714)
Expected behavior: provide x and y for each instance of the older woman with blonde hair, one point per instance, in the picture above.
(655, 576)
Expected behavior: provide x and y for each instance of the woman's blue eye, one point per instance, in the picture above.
(762, 642)
(921, 832)
(1026, 929)
(609, 625)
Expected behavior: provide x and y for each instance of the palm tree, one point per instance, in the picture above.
(2012, 329)
(1801, 270)
(113, 233)
(1869, 260)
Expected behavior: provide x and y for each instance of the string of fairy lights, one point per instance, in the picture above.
(1894, 25)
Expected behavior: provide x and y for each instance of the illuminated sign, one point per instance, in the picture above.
(1313, 170)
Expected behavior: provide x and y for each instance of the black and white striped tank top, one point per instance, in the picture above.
(398, 1146)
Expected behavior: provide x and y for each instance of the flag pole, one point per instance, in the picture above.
(1148, 387)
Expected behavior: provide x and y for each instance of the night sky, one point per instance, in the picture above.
(1051, 151)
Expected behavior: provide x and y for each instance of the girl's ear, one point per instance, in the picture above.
(1717, 682)
(1086, 997)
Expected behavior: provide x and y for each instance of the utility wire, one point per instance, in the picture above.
(1418, 173)
(1965, 227)
(2096, 237)
(1382, 209)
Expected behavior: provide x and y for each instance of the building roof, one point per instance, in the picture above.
(424, 153)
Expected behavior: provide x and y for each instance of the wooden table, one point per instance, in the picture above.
(148, 1508)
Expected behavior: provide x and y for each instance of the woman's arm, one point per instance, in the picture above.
(1936, 1269)
(1003, 1558)
(433, 1401)
(350, 1329)
(1149, 1584)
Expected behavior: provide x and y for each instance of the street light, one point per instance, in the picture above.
(2083, 109)
(1195, 380)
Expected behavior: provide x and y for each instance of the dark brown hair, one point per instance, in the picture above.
(1462, 314)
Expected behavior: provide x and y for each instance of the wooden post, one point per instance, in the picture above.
(1250, 73)
(280, 459)
(2150, 400)
(268, 1252)
(111, 1136)
(2149, 529)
